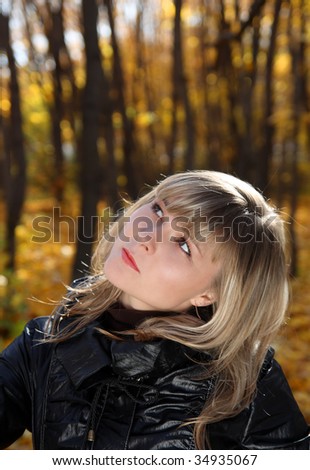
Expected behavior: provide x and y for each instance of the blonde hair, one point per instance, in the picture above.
(252, 289)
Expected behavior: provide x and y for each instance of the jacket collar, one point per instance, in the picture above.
(89, 353)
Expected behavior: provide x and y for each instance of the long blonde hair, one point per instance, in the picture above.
(252, 289)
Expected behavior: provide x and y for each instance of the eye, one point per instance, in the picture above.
(157, 210)
(184, 246)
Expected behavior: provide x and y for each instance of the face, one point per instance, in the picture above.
(156, 267)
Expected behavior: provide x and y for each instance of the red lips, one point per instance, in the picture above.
(129, 260)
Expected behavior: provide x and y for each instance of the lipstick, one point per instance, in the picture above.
(129, 260)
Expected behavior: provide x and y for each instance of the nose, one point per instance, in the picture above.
(144, 235)
(152, 235)
(149, 247)
(147, 243)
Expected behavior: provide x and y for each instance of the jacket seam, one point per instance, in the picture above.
(44, 406)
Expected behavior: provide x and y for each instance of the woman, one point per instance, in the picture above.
(166, 345)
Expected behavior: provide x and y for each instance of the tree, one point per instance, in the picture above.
(54, 28)
(15, 161)
(90, 169)
(120, 104)
(180, 98)
(266, 151)
(300, 106)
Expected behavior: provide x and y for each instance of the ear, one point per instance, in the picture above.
(202, 300)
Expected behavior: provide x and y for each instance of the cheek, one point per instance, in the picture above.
(108, 269)
(112, 267)
(174, 280)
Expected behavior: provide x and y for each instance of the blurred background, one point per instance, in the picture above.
(98, 99)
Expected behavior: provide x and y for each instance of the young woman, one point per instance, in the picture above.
(166, 345)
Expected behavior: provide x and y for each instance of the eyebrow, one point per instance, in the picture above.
(164, 201)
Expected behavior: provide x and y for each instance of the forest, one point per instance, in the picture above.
(101, 98)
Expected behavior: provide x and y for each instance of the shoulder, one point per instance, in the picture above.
(33, 333)
(37, 327)
(18, 361)
(28, 351)
(273, 420)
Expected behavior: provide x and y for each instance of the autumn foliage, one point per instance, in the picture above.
(99, 98)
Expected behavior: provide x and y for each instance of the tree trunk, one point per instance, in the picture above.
(266, 154)
(299, 105)
(110, 171)
(52, 18)
(226, 70)
(89, 155)
(211, 112)
(128, 127)
(142, 91)
(15, 156)
(56, 43)
(246, 163)
(180, 97)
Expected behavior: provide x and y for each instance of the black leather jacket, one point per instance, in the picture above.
(93, 392)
